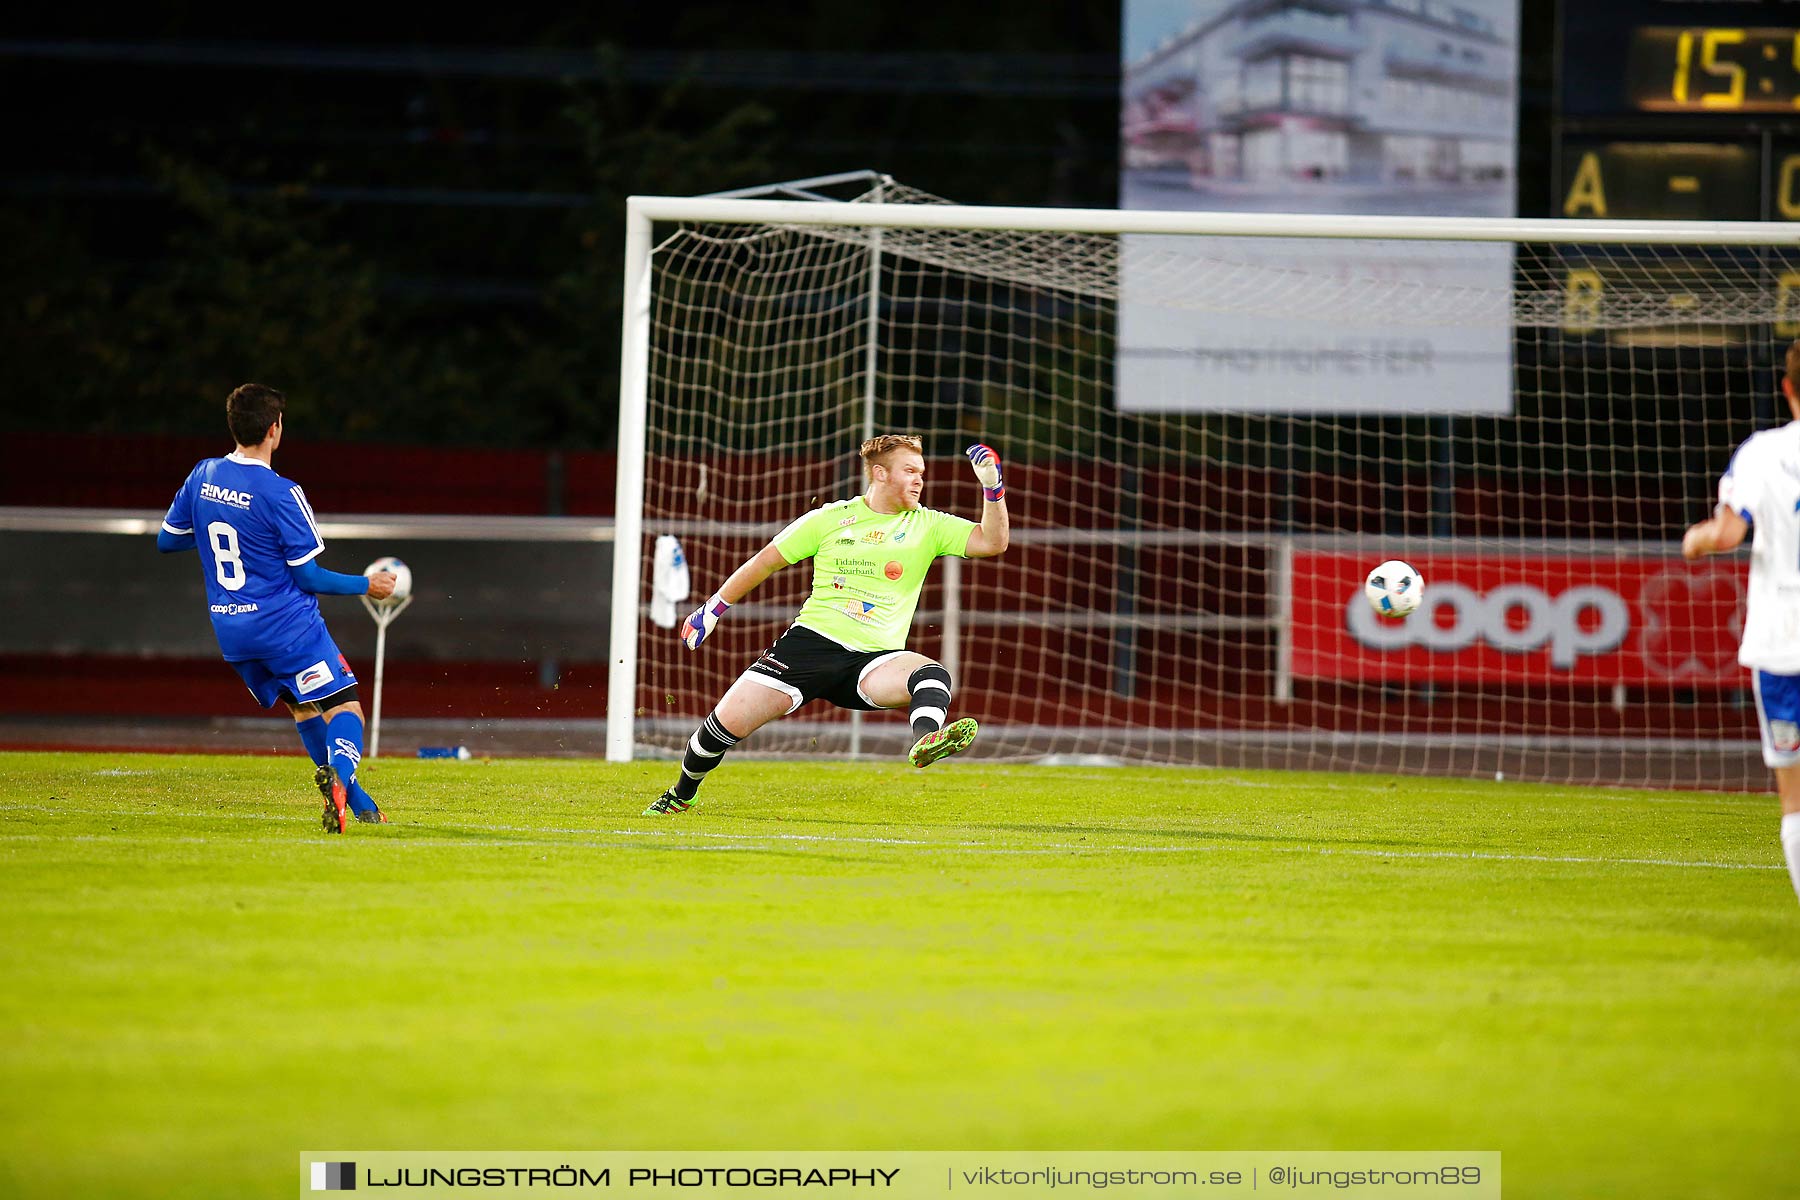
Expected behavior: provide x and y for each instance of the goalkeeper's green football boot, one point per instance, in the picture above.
(336, 795)
(667, 804)
(953, 738)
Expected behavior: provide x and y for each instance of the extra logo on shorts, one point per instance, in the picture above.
(313, 678)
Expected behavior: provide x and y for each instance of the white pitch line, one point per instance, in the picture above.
(783, 837)
(1543, 858)
(754, 841)
(1050, 847)
(394, 843)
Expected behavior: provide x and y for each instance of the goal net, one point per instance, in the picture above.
(1212, 426)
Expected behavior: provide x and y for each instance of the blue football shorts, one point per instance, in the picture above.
(313, 671)
(1778, 712)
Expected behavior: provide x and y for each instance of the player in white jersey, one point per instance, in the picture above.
(1761, 490)
(847, 646)
(258, 545)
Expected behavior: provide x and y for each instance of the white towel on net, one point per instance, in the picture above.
(669, 584)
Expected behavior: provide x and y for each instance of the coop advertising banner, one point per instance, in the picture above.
(1355, 107)
(1522, 618)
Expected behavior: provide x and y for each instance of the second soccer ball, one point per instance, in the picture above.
(1394, 589)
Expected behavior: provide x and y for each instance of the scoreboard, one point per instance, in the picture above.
(1677, 110)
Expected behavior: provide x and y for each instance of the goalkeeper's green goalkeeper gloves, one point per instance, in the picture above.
(987, 469)
(700, 622)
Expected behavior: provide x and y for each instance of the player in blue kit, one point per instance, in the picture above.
(258, 545)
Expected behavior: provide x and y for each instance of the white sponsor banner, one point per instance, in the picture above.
(1181, 360)
(1355, 107)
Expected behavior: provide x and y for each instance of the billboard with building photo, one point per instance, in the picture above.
(1396, 107)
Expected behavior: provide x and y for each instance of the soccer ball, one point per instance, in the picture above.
(1394, 589)
(402, 577)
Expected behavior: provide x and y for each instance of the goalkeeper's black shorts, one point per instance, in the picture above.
(805, 666)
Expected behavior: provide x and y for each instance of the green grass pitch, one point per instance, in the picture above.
(1602, 985)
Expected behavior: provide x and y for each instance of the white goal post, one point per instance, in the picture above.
(1185, 564)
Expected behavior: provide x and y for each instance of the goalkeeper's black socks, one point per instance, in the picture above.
(930, 688)
(704, 750)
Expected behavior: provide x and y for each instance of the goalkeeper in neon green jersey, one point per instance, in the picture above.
(848, 643)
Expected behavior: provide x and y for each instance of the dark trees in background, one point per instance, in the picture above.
(432, 254)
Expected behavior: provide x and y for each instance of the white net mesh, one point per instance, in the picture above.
(1185, 586)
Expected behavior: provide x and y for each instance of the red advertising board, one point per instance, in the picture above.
(1530, 618)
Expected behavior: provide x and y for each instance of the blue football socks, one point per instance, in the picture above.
(314, 737)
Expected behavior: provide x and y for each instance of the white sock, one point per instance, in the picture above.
(1790, 845)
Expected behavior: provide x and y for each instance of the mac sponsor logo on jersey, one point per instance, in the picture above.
(220, 495)
(314, 677)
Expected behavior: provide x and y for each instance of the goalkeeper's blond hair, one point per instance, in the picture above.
(877, 450)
